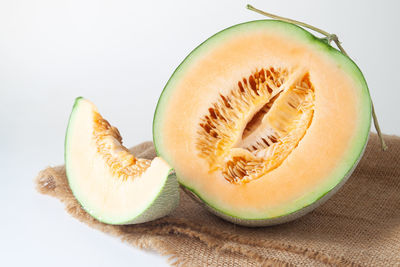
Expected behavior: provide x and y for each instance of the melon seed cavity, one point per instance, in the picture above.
(252, 130)
(117, 157)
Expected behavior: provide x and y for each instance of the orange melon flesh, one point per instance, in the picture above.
(322, 158)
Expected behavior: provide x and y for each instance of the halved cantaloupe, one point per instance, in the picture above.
(263, 122)
(109, 182)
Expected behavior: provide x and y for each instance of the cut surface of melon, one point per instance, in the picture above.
(263, 121)
(110, 183)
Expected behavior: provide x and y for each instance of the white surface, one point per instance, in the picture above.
(120, 54)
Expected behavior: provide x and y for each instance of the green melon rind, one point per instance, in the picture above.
(166, 200)
(339, 177)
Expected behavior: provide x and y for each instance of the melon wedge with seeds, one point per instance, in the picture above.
(109, 182)
(263, 122)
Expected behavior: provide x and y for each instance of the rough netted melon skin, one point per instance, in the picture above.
(164, 203)
(161, 203)
(308, 203)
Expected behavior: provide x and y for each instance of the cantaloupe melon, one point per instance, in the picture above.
(110, 183)
(263, 122)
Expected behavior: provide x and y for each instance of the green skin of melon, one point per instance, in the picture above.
(313, 200)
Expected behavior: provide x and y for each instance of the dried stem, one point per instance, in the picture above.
(329, 37)
(250, 7)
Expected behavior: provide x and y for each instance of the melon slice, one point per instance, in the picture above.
(109, 182)
(263, 122)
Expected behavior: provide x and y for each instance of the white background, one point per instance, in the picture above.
(120, 54)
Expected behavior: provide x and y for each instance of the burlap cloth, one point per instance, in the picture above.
(359, 226)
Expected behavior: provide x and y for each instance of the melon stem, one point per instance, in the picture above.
(329, 37)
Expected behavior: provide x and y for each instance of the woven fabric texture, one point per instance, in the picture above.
(359, 226)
